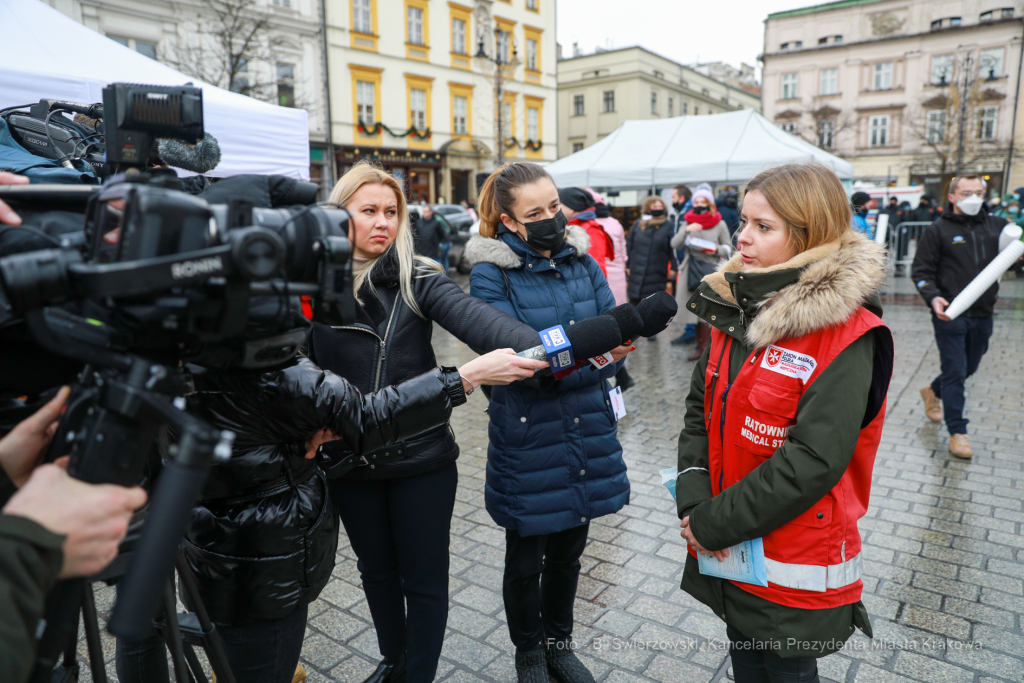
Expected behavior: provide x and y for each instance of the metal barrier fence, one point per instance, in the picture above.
(902, 244)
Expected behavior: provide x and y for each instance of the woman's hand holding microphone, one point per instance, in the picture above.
(501, 366)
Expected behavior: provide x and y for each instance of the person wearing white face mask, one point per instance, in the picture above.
(951, 252)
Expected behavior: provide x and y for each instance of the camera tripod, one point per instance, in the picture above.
(181, 633)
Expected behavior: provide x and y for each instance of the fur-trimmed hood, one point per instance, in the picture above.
(835, 280)
(486, 250)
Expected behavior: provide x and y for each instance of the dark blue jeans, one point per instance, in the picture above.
(962, 342)
(399, 531)
(751, 664)
(260, 651)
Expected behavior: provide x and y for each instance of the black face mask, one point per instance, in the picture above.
(678, 207)
(700, 209)
(548, 234)
(657, 212)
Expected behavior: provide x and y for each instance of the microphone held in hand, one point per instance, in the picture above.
(657, 312)
(588, 338)
(629, 321)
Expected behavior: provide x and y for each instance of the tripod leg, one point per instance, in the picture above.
(90, 621)
(211, 639)
(174, 642)
(194, 664)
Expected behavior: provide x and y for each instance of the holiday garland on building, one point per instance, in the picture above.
(375, 129)
(531, 145)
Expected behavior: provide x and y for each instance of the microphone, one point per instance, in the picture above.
(657, 312)
(585, 339)
(200, 158)
(629, 321)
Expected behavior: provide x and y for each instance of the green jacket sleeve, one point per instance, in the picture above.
(30, 561)
(693, 483)
(806, 467)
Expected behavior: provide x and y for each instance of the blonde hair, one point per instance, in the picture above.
(645, 209)
(810, 199)
(499, 193)
(409, 264)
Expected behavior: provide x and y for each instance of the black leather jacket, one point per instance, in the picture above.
(389, 343)
(263, 537)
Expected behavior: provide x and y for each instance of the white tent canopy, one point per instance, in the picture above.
(48, 55)
(717, 148)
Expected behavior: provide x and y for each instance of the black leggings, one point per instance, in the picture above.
(399, 531)
(751, 664)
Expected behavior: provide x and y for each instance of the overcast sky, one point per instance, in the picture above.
(683, 30)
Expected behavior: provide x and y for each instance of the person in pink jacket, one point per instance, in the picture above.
(616, 268)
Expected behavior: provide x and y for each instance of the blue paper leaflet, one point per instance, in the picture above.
(557, 347)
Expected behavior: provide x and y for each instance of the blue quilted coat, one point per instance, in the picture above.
(554, 460)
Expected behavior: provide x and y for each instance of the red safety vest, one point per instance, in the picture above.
(813, 561)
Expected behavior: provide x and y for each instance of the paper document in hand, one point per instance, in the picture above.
(745, 564)
(668, 478)
(697, 242)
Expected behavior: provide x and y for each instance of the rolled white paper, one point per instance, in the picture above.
(1010, 233)
(881, 228)
(986, 278)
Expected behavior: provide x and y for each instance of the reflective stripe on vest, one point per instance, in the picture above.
(812, 577)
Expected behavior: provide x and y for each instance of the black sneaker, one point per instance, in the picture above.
(565, 667)
(531, 667)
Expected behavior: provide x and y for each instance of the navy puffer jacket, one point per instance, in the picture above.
(554, 460)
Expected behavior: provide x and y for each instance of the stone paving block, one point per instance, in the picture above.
(869, 674)
(608, 553)
(619, 654)
(930, 620)
(989, 661)
(338, 625)
(483, 576)
(468, 652)
(671, 670)
(990, 637)
(996, 598)
(930, 669)
(911, 595)
(658, 587)
(323, 653)
(341, 593)
(959, 589)
(480, 599)
(353, 669)
(923, 564)
(618, 623)
(659, 610)
(610, 573)
(982, 613)
(834, 667)
(704, 625)
(650, 565)
(615, 596)
(470, 622)
(463, 676)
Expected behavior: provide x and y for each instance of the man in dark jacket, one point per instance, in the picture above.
(430, 234)
(727, 203)
(951, 252)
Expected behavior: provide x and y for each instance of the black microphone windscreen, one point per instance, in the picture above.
(201, 157)
(594, 336)
(629, 321)
(657, 312)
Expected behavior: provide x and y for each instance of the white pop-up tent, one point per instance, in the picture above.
(717, 148)
(46, 54)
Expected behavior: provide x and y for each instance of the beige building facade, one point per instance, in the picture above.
(891, 84)
(598, 92)
(407, 91)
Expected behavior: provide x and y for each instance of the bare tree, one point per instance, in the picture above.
(816, 130)
(224, 42)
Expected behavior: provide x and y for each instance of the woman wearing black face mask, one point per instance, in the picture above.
(649, 251)
(554, 460)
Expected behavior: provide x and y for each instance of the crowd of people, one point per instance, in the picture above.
(780, 298)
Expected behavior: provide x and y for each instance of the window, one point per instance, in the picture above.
(784, 46)
(418, 108)
(283, 3)
(945, 23)
(837, 39)
(654, 102)
(991, 63)
(576, 147)
(828, 83)
(684, 108)
(987, 123)
(954, 21)
(609, 101)
(140, 46)
(366, 102)
(658, 74)
(882, 78)
(879, 131)
(531, 54)
(577, 105)
(671, 110)
(789, 127)
(459, 36)
(459, 107)
(504, 39)
(506, 120)
(240, 83)
(415, 25)
(1006, 13)
(361, 17)
(531, 5)
(822, 41)
(532, 124)
(827, 133)
(789, 82)
(285, 84)
(696, 109)
(935, 132)
(942, 69)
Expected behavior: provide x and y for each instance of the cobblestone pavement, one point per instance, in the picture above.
(943, 544)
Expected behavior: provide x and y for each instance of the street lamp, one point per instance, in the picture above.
(499, 63)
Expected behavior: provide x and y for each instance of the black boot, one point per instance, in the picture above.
(531, 667)
(390, 670)
(565, 667)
